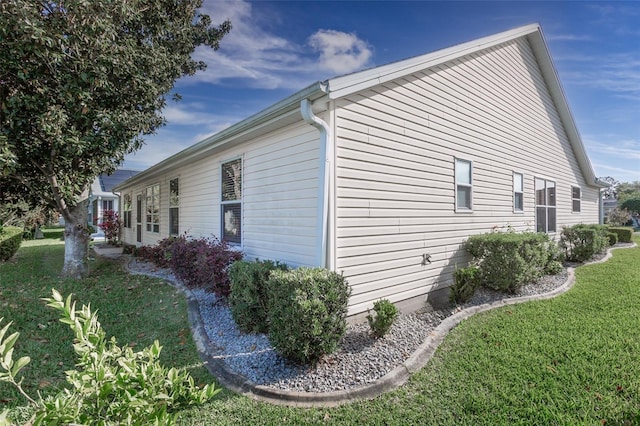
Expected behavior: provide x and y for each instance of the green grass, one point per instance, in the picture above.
(571, 360)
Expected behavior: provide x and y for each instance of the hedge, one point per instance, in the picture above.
(10, 240)
(625, 233)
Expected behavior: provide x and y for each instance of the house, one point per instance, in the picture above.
(383, 174)
(102, 197)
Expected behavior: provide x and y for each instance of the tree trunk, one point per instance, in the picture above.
(76, 241)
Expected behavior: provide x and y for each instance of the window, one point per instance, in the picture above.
(231, 182)
(126, 210)
(545, 205)
(107, 205)
(575, 199)
(152, 196)
(174, 207)
(463, 185)
(518, 192)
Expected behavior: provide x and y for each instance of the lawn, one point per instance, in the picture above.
(571, 360)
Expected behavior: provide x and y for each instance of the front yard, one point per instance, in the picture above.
(574, 359)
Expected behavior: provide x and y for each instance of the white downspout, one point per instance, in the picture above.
(324, 174)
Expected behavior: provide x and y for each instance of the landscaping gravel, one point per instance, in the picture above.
(360, 358)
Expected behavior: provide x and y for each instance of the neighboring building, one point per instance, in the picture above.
(102, 197)
(384, 173)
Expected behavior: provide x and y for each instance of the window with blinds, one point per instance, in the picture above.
(174, 207)
(231, 202)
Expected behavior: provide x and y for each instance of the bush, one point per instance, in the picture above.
(612, 238)
(624, 233)
(506, 261)
(581, 242)
(159, 254)
(10, 240)
(307, 312)
(386, 314)
(618, 217)
(248, 299)
(111, 385)
(111, 225)
(465, 282)
(203, 263)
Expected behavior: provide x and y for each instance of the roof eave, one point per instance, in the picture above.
(285, 107)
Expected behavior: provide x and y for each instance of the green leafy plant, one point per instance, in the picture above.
(111, 385)
(386, 314)
(249, 299)
(618, 217)
(506, 261)
(307, 312)
(465, 282)
(624, 233)
(581, 242)
(10, 240)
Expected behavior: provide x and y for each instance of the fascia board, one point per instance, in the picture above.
(343, 86)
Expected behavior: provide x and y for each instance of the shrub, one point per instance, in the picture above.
(618, 217)
(624, 233)
(111, 385)
(158, 254)
(465, 282)
(612, 238)
(506, 261)
(10, 240)
(307, 312)
(111, 226)
(386, 314)
(203, 263)
(581, 242)
(248, 299)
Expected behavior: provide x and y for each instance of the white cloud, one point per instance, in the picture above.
(340, 52)
(262, 59)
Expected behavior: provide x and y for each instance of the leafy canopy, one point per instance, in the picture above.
(81, 82)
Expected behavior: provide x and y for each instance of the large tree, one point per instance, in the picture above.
(81, 83)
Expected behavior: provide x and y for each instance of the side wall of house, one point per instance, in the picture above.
(398, 235)
(279, 196)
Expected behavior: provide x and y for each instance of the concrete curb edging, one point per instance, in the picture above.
(392, 380)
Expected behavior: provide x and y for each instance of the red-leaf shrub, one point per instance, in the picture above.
(159, 255)
(111, 226)
(203, 263)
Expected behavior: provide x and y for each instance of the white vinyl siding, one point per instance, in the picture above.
(396, 178)
(279, 196)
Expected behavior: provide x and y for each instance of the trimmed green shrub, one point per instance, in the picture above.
(10, 240)
(386, 314)
(624, 233)
(506, 261)
(465, 282)
(307, 312)
(581, 242)
(248, 300)
(612, 238)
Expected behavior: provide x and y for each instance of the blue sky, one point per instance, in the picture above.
(277, 48)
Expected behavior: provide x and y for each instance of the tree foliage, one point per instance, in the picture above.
(632, 205)
(82, 82)
(628, 191)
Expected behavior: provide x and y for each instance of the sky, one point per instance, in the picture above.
(277, 48)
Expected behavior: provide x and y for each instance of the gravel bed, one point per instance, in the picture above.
(359, 360)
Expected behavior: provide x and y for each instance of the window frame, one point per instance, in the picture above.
(550, 205)
(228, 205)
(127, 208)
(518, 209)
(575, 199)
(152, 210)
(463, 209)
(174, 207)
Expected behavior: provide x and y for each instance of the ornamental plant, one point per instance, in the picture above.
(111, 385)
(465, 282)
(386, 314)
(111, 226)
